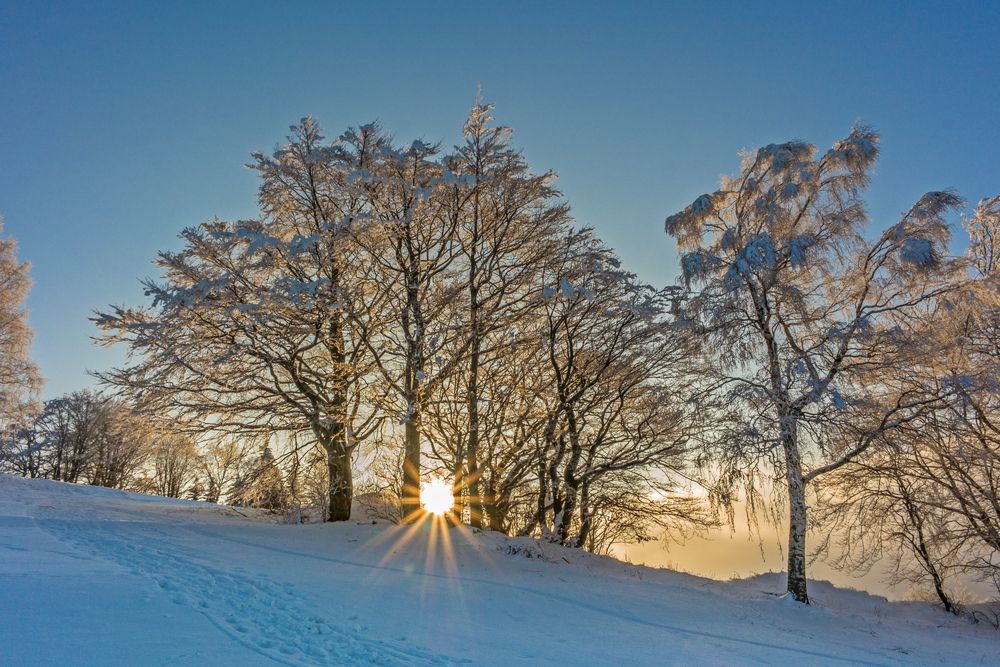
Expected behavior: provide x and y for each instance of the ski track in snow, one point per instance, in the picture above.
(802, 653)
(271, 619)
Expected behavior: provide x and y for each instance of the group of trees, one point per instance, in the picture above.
(88, 438)
(80, 438)
(441, 311)
(440, 304)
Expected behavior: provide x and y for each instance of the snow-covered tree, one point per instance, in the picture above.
(809, 321)
(218, 465)
(510, 222)
(928, 503)
(613, 396)
(82, 437)
(120, 448)
(251, 329)
(410, 247)
(983, 227)
(20, 380)
(397, 295)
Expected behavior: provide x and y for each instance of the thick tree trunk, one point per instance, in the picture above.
(565, 516)
(797, 544)
(458, 485)
(796, 512)
(411, 467)
(333, 435)
(476, 510)
(341, 484)
(414, 330)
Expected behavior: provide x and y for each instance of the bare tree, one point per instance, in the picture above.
(448, 290)
(83, 437)
(927, 503)
(174, 463)
(67, 429)
(509, 223)
(119, 450)
(218, 465)
(877, 513)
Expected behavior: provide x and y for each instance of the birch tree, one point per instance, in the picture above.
(806, 317)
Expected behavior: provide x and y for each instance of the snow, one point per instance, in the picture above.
(91, 576)
(917, 251)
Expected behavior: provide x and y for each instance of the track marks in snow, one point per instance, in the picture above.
(270, 618)
(695, 633)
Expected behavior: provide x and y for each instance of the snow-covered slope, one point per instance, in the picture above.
(97, 577)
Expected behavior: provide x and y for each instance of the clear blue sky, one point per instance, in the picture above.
(122, 123)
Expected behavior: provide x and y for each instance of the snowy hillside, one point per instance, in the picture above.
(90, 576)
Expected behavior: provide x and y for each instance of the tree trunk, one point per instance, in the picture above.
(476, 506)
(797, 543)
(586, 518)
(458, 485)
(341, 484)
(543, 493)
(922, 548)
(570, 481)
(472, 405)
(796, 512)
(414, 330)
(491, 510)
(949, 606)
(411, 467)
(476, 510)
(338, 449)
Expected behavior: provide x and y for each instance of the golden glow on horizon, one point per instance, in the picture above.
(436, 496)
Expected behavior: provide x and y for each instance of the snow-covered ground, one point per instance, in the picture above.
(92, 576)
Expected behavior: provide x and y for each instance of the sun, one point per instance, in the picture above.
(436, 497)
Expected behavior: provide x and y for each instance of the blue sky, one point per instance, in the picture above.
(122, 123)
